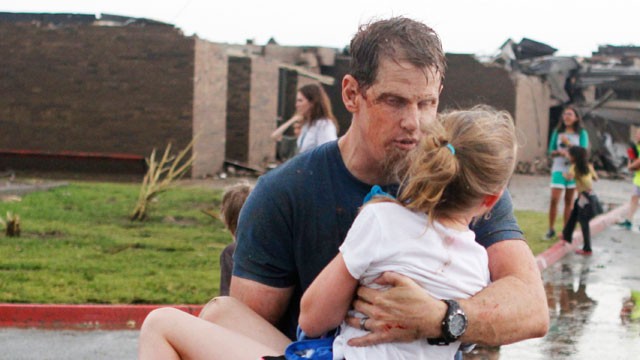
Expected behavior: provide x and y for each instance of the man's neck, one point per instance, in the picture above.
(359, 164)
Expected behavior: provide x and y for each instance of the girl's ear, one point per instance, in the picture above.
(490, 200)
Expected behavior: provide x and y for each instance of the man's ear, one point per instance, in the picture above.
(350, 92)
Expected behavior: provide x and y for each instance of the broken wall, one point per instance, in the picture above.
(533, 99)
(264, 111)
(209, 108)
(468, 82)
(252, 110)
(85, 88)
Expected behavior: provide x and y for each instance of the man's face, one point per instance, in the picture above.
(395, 109)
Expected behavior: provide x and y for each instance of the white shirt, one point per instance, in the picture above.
(447, 263)
(322, 131)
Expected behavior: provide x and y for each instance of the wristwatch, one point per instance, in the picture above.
(454, 324)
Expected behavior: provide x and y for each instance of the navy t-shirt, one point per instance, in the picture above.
(295, 219)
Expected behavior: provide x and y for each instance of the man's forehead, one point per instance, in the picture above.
(390, 70)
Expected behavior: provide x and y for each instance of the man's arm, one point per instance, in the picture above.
(269, 302)
(512, 308)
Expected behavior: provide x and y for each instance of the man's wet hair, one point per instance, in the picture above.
(399, 39)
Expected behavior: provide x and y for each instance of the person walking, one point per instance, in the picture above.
(586, 206)
(569, 132)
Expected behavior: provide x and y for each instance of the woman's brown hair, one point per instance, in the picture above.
(320, 104)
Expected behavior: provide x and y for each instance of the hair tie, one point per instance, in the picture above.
(451, 148)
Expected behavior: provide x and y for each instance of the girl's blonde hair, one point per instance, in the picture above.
(466, 155)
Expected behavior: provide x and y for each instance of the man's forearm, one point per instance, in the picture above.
(514, 307)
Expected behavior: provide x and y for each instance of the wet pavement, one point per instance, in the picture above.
(586, 296)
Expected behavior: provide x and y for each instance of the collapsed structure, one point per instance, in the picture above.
(87, 93)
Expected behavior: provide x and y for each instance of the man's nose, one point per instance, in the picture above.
(411, 119)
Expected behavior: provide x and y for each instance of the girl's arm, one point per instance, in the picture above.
(276, 135)
(584, 139)
(553, 142)
(325, 303)
(570, 174)
(594, 174)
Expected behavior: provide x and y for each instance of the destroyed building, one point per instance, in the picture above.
(83, 93)
(605, 88)
(87, 93)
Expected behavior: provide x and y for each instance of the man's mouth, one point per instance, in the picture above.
(405, 144)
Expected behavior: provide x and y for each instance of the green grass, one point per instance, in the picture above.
(635, 297)
(78, 246)
(534, 225)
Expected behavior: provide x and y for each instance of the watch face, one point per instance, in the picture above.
(457, 325)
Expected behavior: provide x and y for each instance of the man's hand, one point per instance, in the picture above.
(402, 313)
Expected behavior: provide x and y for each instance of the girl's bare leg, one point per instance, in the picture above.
(234, 315)
(553, 206)
(169, 333)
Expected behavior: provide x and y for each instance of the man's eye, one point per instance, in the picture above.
(393, 101)
(427, 104)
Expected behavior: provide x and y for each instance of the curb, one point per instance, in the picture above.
(560, 248)
(81, 317)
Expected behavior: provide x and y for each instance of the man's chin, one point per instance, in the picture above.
(393, 164)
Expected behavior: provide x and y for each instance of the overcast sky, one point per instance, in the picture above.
(574, 27)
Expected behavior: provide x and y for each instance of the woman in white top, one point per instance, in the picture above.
(319, 125)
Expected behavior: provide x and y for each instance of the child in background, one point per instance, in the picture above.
(633, 166)
(586, 206)
(232, 202)
(569, 132)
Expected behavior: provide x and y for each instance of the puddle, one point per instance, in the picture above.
(586, 296)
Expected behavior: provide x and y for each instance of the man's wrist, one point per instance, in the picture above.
(453, 324)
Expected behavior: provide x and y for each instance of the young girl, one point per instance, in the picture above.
(586, 205)
(569, 132)
(456, 173)
(232, 202)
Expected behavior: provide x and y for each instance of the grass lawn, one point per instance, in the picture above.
(78, 246)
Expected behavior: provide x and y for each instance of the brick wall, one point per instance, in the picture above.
(238, 103)
(467, 82)
(89, 88)
(264, 111)
(209, 108)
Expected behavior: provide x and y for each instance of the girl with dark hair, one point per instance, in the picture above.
(586, 206)
(569, 132)
(319, 125)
